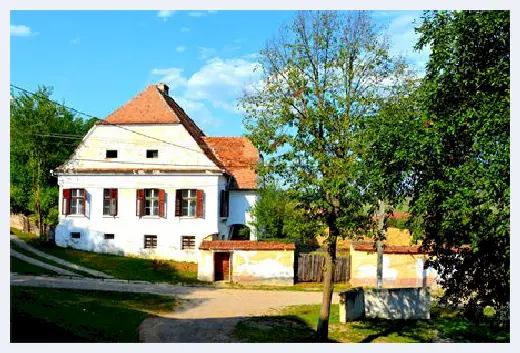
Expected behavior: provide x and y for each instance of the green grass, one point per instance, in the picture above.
(25, 268)
(22, 235)
(124, 267)
(62, 315)
(297, 324)
(47, 261)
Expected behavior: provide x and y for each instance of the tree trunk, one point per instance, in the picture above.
(322, 331)
(380, 242)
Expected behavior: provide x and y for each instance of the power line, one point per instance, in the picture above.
(107, 123)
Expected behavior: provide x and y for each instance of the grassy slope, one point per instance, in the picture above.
(297, 324)
(62, 315)
(24, 268)
(120, 266)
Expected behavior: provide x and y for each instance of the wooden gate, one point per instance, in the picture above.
(310, 268)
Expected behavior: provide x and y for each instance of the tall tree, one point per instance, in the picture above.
(450, 154)
(37, 126)
(322, 76)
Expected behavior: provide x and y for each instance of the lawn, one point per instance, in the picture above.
(122, 267)
(25, 268)
(63, 315)
(297, 324)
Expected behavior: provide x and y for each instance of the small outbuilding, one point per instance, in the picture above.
(246, 261)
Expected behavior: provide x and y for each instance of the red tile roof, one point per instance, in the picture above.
(389, 249)
(244, 245)
(239, 156)
(236, 155)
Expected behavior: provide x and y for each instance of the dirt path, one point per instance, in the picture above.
(207, 314)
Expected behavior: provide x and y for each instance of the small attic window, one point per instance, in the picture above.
(111, 154)
(152, 153)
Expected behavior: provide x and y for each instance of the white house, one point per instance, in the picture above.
(146, 181)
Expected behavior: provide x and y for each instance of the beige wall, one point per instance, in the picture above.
(399, 270)
(205, 266)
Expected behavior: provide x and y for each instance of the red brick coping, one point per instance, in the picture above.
(390, 249)
(244, 245)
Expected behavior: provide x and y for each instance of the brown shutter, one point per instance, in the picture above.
(224, 203)
(161, 203)
(84, 202)
(178, 203)
(113, 202)
(65, 205)
(139, 203)
(200, 203)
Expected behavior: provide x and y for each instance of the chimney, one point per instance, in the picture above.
(163, 88)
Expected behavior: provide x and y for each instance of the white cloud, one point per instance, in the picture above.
(205, 53)
(403, 38)
(165, 14)
(218, 84)
(185, 29)
(75, 41)
(180, 49)
(21, 31)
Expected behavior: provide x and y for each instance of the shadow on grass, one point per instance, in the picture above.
(67, 315)
(444, 326)
(275, 329)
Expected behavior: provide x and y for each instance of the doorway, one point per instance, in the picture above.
(221, 266)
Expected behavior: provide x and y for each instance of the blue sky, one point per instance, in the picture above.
(98, 60)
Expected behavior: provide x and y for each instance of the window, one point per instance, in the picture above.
(150, 241)
(74, 201)
(110, 202)
(111, 154)
(150, 202)
(188, 242)
(189, 203)
(152, 153)
(109, 236)
(75, 235)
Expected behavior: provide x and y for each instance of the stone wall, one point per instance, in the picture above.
(395, 303)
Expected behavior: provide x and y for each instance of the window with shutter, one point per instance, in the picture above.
(139, 203)
(224, 203)
(200, 203)
(65, 205)
(188, 242)
(150, 241)
(110, 202)
(77, 200)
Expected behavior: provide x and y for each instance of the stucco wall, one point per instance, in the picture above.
(399, 270)
(240, 200)
(396, 303)
(132, 147)
(129, 229)
(263, 266)
(205, 266)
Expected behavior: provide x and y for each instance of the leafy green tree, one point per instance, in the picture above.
(446, 146)
(323, 75)
(37, 127)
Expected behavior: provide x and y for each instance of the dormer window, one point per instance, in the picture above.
(152, 153)
(111, 154)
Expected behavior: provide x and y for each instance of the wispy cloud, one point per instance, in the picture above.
(75, 41)
(21, 31)
(185, 29)
(205, 53)
(180, 49)
(216, 85)
(198, 14)
(165, 14)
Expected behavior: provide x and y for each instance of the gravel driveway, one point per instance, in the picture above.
(207, 314)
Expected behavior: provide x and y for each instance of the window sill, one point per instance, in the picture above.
(150, 217)
(189, 217)
(107, 216)
(75, 215)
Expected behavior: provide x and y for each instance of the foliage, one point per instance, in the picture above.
(445, 144)
(66, 315)
(323, 75)
(37, 126)
(277, 216)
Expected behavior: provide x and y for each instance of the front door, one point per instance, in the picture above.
(221, 266)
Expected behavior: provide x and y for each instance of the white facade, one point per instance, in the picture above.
(181, 164)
